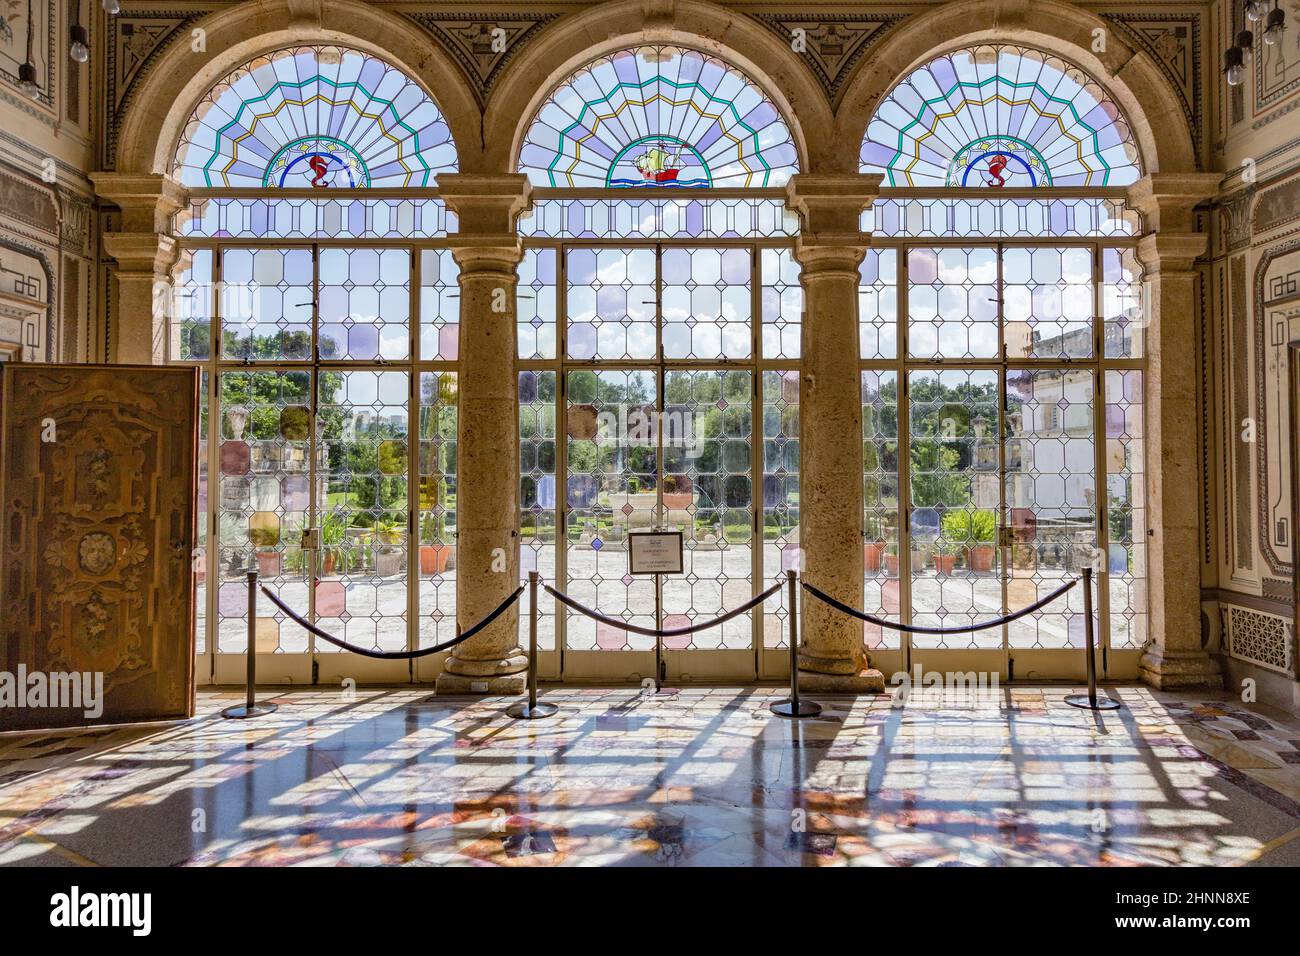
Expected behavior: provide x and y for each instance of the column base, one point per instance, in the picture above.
(866, 681)
(1186, 670)
(463, 684)
(498, 675)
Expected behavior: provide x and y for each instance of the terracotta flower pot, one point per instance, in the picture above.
(891, 565)
(269, 563)
(433, 558)
(944, 563)
(872, 552)
(980, 557)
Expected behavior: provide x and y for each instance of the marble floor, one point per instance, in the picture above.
(699, 777)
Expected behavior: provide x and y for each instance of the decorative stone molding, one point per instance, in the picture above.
(134, 42)
(1173, 41)
(835, 43)
(472, 41)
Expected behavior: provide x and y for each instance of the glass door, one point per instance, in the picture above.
(659, 409)
(313, 392)
(1000, 467)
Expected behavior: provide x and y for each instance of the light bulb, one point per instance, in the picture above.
(1274, 26)
(79, 49)
(1256, 9)
(27, 80)
(1236, 73)
(112, 7)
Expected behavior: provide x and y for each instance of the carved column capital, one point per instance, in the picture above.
(1167, 200)
(147, 202)
(486, 205)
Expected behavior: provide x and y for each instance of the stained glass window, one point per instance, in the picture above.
(658, 116)
(999, 116)
(315, 116)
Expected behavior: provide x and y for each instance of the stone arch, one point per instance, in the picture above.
(1130, 76)
(608, 27)
(180, 77)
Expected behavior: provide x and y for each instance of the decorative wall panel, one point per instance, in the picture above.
(97, 467)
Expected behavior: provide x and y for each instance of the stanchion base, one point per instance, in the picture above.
(522, 711)
(1084, 701)
(243, 711)
(786, 708)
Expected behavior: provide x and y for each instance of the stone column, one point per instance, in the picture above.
(1168, 249)
(830, 249)
(487, 507)
(145, 252)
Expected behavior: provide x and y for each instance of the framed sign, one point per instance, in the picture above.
(654, 552)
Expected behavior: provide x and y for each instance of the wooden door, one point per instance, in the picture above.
(98, 479)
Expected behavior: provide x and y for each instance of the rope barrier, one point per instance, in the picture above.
(919, 629)
(655, 632)
(394, 655)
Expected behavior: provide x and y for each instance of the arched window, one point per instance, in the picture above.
(323, 310)
(315, 116)
(1002, 361)
(999, 116)
(658, 116)
(659, 337)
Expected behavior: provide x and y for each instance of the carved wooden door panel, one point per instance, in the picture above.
(98, 486)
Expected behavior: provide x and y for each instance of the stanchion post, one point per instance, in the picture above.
(250, 708)
(532, 710)
(793, 706)
(1091, 701)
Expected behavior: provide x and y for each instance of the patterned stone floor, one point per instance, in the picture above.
(706, 776)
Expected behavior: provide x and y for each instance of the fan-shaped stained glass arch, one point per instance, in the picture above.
(315, 116)
(1000, 116)
(658, 116)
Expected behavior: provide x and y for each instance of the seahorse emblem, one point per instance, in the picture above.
(320, 166)
(997, 164)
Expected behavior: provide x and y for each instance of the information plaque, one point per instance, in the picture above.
(654, 552)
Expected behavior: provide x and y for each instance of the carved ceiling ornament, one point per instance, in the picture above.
(1173, 40)
(833, 44)
(135, 40)
(483, 44)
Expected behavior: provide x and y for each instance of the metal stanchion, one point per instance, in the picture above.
(794, 707)
(251, 708)
(1090, 701)
(532, 710)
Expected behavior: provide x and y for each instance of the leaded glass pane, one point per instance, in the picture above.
(995, 116)
(439, 405)
(952, 303)
(782, 305)
(658, 116)
(365, 304)
(439, 305)
(362, 423)
(266, 304)
(1051, 496)
(706, 303)
(316, 116)
(878, 304)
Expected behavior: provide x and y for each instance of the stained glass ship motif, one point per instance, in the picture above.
(658, 165)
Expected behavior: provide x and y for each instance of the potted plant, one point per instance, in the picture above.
(333, 534)
(975, 532)
(873, 548)
(388, 556)
(434, 553)
(269, 560)
(677, 492)
(891, 561)
(945, 558)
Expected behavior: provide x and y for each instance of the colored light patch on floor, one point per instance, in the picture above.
(701, 777)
